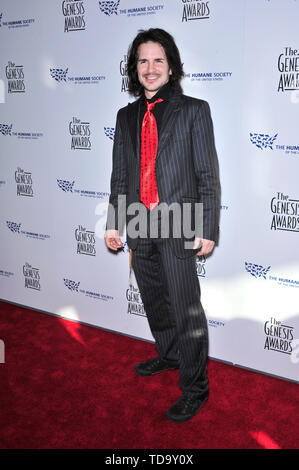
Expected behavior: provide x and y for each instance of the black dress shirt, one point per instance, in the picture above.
(159, 108)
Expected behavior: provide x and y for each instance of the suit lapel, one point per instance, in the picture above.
(169, 118)
(133, 119)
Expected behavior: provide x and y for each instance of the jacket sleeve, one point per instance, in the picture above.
(207, 170)
(118, 182)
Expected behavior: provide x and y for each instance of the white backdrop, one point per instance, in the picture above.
(62, 80)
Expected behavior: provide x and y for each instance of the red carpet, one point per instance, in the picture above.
(70, 386)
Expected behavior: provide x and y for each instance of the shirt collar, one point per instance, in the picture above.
(163, 93)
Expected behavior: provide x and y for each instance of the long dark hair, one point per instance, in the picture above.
(172, 53)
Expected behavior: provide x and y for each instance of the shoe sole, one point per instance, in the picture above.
(146, 374)
(183, 419)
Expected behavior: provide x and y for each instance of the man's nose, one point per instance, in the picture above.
(150, 66)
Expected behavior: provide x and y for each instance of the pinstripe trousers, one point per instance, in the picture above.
(170, 293)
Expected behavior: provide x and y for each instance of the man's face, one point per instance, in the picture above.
(152, 67)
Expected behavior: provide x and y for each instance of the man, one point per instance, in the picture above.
(164, 154)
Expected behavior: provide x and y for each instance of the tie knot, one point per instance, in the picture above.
(150, 106)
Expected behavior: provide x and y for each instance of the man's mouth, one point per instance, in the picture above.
(151, 78)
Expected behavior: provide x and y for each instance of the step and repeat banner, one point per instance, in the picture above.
(63, 77)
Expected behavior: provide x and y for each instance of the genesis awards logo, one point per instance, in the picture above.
(279, 337)
(32, 277)
(123, 68)
(135, 305)
(85, 241)
(200, 266)
(285, 213)
(15, 78)
(80, 132)
(195, 10)
(288, 66)
(73, 12)
(24, 182)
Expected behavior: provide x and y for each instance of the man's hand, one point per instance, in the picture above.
(112, 240)
(206, 248)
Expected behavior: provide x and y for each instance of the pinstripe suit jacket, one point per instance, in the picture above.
(186, 163)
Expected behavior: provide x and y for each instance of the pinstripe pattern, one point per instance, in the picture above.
(186, 171)
(186, 162)
(171, 295)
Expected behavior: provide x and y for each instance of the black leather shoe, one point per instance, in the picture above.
(186, 407)
(154, 366)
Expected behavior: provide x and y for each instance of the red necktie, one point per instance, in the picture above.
(149, 144)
